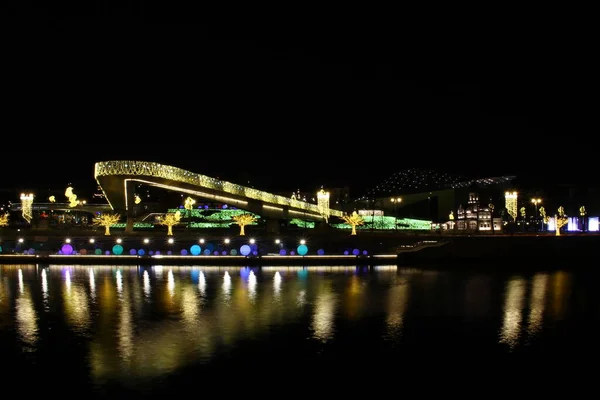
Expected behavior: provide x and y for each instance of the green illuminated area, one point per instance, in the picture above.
(387, 223)
(211, 218)
(302, 224)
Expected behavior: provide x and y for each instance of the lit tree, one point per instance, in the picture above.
(242, 220)
(353, 220)
(170, 220)
(4, 220)
(106, 220)
(560, 220)
(545, 217)
(71, 196)
(52, 199)
(137, 199)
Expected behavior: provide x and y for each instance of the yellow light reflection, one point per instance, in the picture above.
(397, 302)
(75, 303)
(68, 281)
(92, 284)
(324, 314)
(537, 303)
(202, 283)
(45, 285)
(513, 311)
(560, 291)
(277, 285)
(252, 286)
(125, 331)
(27, 324)
(21, 285)
(119, 278)
(147, 288)
(226, 287)
(171, 283)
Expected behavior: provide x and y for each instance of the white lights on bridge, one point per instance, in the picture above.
(146, 241)
(67, 240)
(170, 241)
(92, 240)
(201, 241)
(252, 241)
(21, 240)
(302, 241)
(277, 241)
(226, 241)
(119, 240)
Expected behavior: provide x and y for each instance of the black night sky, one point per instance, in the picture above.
(300, 102)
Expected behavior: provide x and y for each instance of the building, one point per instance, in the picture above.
(476, 217)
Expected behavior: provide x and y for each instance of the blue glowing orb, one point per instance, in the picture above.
(245, 250)
(141, 252)
(183, 252)
(320, 252)
(207, 252)
(117, 249)
(67, 249)
(282, 252)
(302, 250)
(195, 250)
(132, 252)
(356, 252)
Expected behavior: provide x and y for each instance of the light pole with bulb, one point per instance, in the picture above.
(396, 201)
(535, 201)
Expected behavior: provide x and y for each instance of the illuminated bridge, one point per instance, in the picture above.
(118, 179)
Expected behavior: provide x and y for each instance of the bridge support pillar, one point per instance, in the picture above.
(129, 213)
(272, 225)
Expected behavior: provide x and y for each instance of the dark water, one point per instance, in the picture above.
(109, 331)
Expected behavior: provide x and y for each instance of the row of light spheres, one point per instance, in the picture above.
(196, 250)
(171, 241)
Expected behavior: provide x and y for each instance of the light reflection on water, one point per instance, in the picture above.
(146, 322)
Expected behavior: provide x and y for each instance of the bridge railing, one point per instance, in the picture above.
(146, 168)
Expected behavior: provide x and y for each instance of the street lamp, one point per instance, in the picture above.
(535, 201)
(396, 201)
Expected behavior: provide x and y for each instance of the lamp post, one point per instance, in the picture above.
(396, 201)
(535, 201)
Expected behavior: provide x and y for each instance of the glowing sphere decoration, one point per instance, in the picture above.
(224, 253)
(169, 252)
(320, 252)
(67, 249)
(195, 250)
(83, 252)
(282, 252)
(233, 252)
(132, 252)
(346, 252)
(107, 253)
(141, 252)
(0, 249)
(157, 252)
(356, 252)
(98, 252)
(207, 252)
(365, 252)
(245, 250)
(117, 249)
(302, 250)
(184, 252)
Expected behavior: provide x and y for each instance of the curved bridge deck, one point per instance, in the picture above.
(114, 178)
